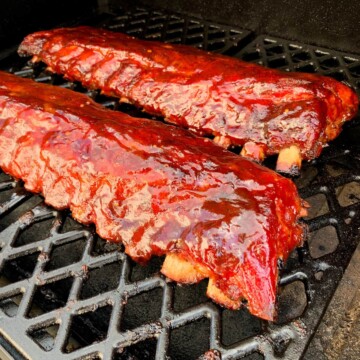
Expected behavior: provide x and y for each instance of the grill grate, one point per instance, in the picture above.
(291, 56)
(174, 28)
(67, 294)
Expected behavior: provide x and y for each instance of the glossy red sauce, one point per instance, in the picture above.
(205, 92)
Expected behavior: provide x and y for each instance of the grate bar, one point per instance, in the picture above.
(7, 185)
(163, 338)
(65, 319)
(39, 245)
(11, 204)
(117, 302)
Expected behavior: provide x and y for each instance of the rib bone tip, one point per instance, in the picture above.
(289, 161)
(179, 269)
(303, 212)
(35, 59)
(220, 297)
(253, 151)
(223, 141)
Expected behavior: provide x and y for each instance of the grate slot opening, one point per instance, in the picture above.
(142, 272)
(73, 250)
(329, 63)
(35, 232)
(50, 297)
(102, 246)
(10, 305)
(21, 208)
(142, 309)
(252, 56)
(45, 337)
(5, 177)
(196, 337)
(318, 206)
(216, 45)
(292, 302)
(7, 193)
(186, 296)
(338, 75)
(308, 68)
(323, 242)
(348, 194)
(100, 280)
(300, 56)
(278, 62)
(239, 325)
(18, 269)
(97, 323)
(275, 50)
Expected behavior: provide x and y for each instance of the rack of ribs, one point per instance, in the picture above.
(156, 188)
(265, 111)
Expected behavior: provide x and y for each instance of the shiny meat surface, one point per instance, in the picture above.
(240, 103)
(156, 188)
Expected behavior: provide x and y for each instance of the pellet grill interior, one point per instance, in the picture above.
(67, 294)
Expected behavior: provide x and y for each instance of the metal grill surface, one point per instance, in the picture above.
(67, 294)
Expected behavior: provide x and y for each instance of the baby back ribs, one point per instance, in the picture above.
(263, 110)
(158, 189)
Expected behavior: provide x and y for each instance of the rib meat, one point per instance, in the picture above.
(264, 110)
(158, 189)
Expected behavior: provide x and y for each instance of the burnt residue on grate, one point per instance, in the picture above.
(67, 294)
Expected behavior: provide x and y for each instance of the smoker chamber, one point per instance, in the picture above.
(67, 294)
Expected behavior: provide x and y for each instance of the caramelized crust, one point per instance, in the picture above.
(208, 93)
(158, 189)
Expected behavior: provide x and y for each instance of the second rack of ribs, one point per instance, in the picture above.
(265, 111)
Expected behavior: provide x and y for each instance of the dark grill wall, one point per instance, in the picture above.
(330, 23)
(19, 17)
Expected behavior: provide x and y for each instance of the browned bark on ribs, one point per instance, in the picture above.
(156, 188)
(264, 110)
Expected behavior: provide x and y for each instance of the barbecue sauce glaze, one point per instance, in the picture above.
(154, 187)
(206, 92)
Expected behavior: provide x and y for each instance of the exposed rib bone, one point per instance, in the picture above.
(289, 160)
(253, 151)
(223, 141)
(124, 99)
(304, 208)
(177, 268)
(35, 59)
(219, 297)
(303, 212)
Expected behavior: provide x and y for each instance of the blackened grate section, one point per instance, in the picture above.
(292, 56)
(178, 28)
(74, 296)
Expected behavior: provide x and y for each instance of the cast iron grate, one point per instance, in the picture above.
(178, 28)
(67, 294)
(292, 56)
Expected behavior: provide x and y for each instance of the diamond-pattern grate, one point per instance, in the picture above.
(178, 28)
(292, 56)
(67, 294)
